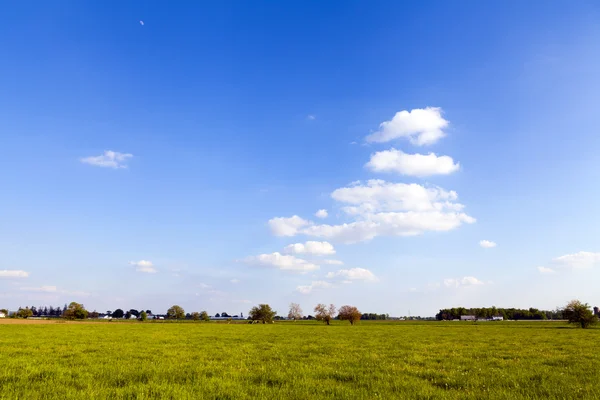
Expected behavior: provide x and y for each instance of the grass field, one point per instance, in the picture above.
(429, 360)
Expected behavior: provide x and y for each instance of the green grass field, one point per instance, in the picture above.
(429, 360)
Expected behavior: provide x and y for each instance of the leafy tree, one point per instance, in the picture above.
(295, 312)
(143, 316)
(349, 313)
(579, 313)
(324, 313)
(4, 311)
(148, 312)
(75, 311)
(134, 312)
(94, 314)
(128, 315)
(175, 312)
(24, 312)
(262, 313)
(217, 315)
(196, 316)
(596, 311)
(204, 316)
(225, 315)
(118, 313)
(45, 312)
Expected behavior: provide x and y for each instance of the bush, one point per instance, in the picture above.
(579, 313)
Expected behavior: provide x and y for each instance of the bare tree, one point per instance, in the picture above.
(295, 311)
(324, 313)
(349, 313)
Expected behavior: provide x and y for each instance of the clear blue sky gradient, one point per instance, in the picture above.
(213, 99)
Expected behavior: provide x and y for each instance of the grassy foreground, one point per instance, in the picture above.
(433, 360)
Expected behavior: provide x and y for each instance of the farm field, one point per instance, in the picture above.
(298, 360)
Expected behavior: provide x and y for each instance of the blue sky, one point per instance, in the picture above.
(425, 128)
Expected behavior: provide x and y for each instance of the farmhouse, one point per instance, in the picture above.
(468, 318)
(2, 315)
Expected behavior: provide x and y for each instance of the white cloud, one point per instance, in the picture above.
(110, 159)
(287, 226)
(321, 214)
(380, 208)
(234, 281)
(47, 289)
(420, 126)
(144, 266)
(411, 164)
(486, 244)
(332, 262)
(310, 247)
(583, 259)
(311, 117)
(204, 286)
(462, 282)
(545, 270)
(306, 289)
(141, 23)
(283, 262)
(13, 273)
(353, 274)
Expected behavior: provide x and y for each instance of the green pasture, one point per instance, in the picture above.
(301, 360)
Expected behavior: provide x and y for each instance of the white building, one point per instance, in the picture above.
(468, 318)
(2, 315)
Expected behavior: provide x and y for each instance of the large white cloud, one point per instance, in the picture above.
(283, 262)
(13, 273)
(583, 259)
(421, 126)
(353, 274)
(306, 289)
(378, 195)
(462, 282)
(110, 159)
(144, 266)
(411, 164)
(310, 247)
(380, 208)
(281, 226)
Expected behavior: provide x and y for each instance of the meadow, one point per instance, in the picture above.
(299, 360)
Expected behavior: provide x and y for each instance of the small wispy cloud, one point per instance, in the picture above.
(487, 244)
(234, 281)
(13, 273)
(311, 117)
(144, 266)
(546, 270)
(141, 23)
(110, 159)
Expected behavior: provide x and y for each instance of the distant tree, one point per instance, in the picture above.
(127, 314)
(148, 312)
(109, 313)
(225, 315)
(64, 308)
(143, 316)
(134, 312)
(175, 312)
(241, 315)
(45, 312)
(217, 315)
(4, 311)
(94, 314)
(118, 313)
(579, 313)
(204, 316)
(196, 316)
(349, 313)
(50, 311)
(24, 312)
(324, 313)
(75, 311)
(33, 311)
(295, 312)
(262, 312)
(596, 311)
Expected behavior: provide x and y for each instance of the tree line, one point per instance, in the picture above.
(506, 313)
